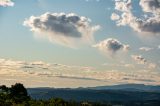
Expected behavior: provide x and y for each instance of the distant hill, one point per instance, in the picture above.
(129, 87)
(119, 93)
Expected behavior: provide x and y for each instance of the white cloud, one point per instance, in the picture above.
(114, 16)
(122, 5)
(152, 66)
(111, 45)
(149, 24)
(145, 49)
(147, 65)
(40, 73)
(150, 6)
(6, 3)
(139, 59)
(119, 65)
(65, 29)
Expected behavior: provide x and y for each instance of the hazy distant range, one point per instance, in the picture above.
(122, 93)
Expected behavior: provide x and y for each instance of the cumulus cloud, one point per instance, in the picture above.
(139, 59)
(114, 16)
(111, 45)
(6, 3)
(123, 6)
(65, 29)
(145, 49)
(150, 6)
(147, 65)
(149, 24)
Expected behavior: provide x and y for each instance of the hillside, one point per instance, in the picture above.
(119, 93)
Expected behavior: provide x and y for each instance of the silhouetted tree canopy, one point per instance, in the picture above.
(18, 90)
(17, 95)
(4, 88)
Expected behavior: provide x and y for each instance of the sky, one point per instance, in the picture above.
(79, 43)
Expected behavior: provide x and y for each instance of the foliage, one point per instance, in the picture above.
(17, 95)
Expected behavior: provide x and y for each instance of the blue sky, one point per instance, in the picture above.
(111, 48)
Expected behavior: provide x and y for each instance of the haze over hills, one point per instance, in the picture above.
(121, 93)
(129, 87)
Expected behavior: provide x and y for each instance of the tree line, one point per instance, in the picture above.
(17, 95)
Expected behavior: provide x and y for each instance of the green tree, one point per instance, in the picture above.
(18, 90)
(19, 93)
(4, 88)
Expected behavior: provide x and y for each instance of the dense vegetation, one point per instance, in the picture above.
(17, 95)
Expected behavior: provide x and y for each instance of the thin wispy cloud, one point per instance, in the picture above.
(39, 69)
(120, 65)
(146, 49)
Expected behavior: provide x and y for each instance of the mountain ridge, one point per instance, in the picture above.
(120, 93)
(126, 87)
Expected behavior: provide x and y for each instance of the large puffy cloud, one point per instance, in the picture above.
(150, 6)
(148, 24)
(6, 3)
(139, 59)
(111, 45)
(65, 29)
